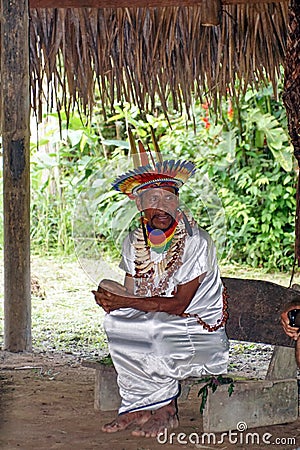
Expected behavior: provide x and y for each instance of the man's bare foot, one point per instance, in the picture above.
(125, 420)
(165, 417)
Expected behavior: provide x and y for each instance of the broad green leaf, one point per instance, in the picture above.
(284, 157)
(116, 142)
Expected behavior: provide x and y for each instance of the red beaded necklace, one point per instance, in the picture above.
(220, 322)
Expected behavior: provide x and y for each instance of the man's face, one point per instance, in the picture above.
(159, 206)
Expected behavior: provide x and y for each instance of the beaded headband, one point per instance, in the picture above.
(169, 173)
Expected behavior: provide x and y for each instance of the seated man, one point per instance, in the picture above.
(167, 322)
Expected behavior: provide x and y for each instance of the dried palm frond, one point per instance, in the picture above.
(148, 55)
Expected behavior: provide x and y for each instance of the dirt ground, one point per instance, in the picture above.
(47, 403)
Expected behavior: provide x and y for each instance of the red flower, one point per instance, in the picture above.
(230, 111)
(206, 121)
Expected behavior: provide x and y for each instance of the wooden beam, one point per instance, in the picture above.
(254, 308)
(252, 2)
(111, 3)
(15, 124)
(134, 3)
(211, 12)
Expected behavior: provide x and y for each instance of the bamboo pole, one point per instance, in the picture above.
(15, 126)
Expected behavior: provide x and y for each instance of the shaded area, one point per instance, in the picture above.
(51, 407)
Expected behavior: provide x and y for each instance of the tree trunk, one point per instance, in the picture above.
(291, 98)
(15, 124)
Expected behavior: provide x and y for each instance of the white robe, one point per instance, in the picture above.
(153, 351)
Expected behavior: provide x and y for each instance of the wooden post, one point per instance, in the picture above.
(15, 124)
(291, 98)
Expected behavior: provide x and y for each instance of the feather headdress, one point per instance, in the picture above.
(148, 173)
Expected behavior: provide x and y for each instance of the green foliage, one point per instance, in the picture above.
(60, 166)
(243, 192)
(255, 181)
(106, 360)
(213, 383)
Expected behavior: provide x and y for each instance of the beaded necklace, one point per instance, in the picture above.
(220, 322)
(162, 267)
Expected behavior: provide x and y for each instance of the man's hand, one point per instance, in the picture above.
(110, 295)
(292, 332)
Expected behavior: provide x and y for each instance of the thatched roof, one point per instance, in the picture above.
(141, 54)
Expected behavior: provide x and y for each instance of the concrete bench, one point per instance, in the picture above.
(254, 316)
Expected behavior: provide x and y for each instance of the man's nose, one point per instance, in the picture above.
(165, 208)
(162, 203)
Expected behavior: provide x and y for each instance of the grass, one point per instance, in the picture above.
(65, 316)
